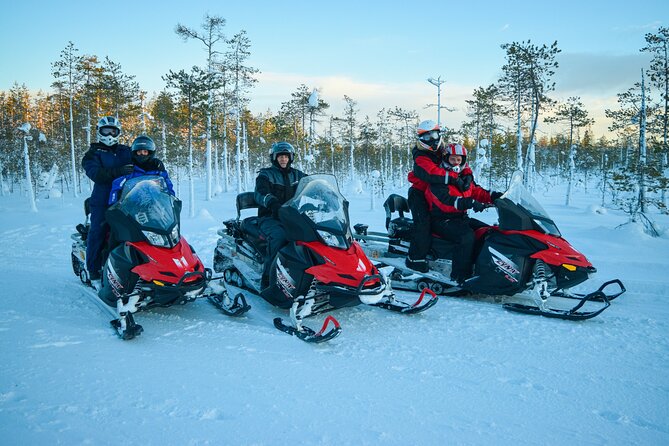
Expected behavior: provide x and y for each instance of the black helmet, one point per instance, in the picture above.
(281, 147)
(143, 143)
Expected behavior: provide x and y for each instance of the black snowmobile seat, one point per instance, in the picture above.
(399, 227)
(249, 225)
(245, 200)
(395, 203)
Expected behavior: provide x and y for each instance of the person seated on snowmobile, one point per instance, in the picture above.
(427, 169)
(104, 161)
(274, 186)
(145, 163)
(449, 203)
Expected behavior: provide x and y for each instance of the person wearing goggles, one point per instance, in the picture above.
(104, 161)
(427, 169)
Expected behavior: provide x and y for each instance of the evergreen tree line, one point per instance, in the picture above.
(204, 128)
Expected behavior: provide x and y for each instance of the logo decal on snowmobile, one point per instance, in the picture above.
(361, 266)
(181, 263)
(505, 264)
(112, 276)
(285, 281)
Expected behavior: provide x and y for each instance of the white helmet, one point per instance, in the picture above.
(429, 136)
(108, 130)
(456, 149)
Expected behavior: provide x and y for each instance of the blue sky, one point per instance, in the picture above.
(378, 53)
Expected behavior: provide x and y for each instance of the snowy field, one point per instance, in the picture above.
(464, 372)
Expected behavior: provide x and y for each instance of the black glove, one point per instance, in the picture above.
(457, 182)
(464, 203)
(121, 171)
(274, 206)
(495, 195)
(150, 164)
(478, 206)
(466, 182)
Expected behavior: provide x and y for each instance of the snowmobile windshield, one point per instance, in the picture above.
(146, 200)
(518, 194)
(318, 199)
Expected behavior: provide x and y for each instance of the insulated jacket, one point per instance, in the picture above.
(426, 169)
(275, 186)
(441, 197)
(100, 163)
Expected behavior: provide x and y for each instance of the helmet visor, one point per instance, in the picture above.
(430, 136)
(109, 131)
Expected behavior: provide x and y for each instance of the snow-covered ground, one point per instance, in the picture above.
(463, 372)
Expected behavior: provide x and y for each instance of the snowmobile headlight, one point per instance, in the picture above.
(156, 239)
(174, 236)
(332, 240)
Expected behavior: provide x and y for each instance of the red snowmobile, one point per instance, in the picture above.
(148, 262)
(320, 269)
(524, 256)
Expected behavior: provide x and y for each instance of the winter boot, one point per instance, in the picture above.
(417, 265)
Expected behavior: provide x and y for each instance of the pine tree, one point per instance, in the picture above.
(68, 80)
(190, 88)
(658, 46)
(242, 80)
(574, 114)
(212, 33)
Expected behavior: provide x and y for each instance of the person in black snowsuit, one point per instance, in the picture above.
(427, 169)
(144, 163)
(144, 154)
(448, 205)
(104, 161)
(274, 186)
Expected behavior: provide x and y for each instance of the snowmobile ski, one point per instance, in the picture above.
(125, 327)
(420, 305)
(306, 334)
(235, 307)
(594, 296)
(572, 314)
(122, 322)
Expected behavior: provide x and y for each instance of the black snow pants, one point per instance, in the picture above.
(421, 235)
(275, 234)
(459, 230)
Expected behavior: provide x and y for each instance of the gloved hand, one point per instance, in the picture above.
(153, 164)
(274, 206)
(467, 181)
(469, 203)
(464, 203)
(478, 206)
(123, 170)
(495, 195)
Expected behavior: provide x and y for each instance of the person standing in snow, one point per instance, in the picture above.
(427, 169)
(274, 186)
(104, 161)
(448, 203)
